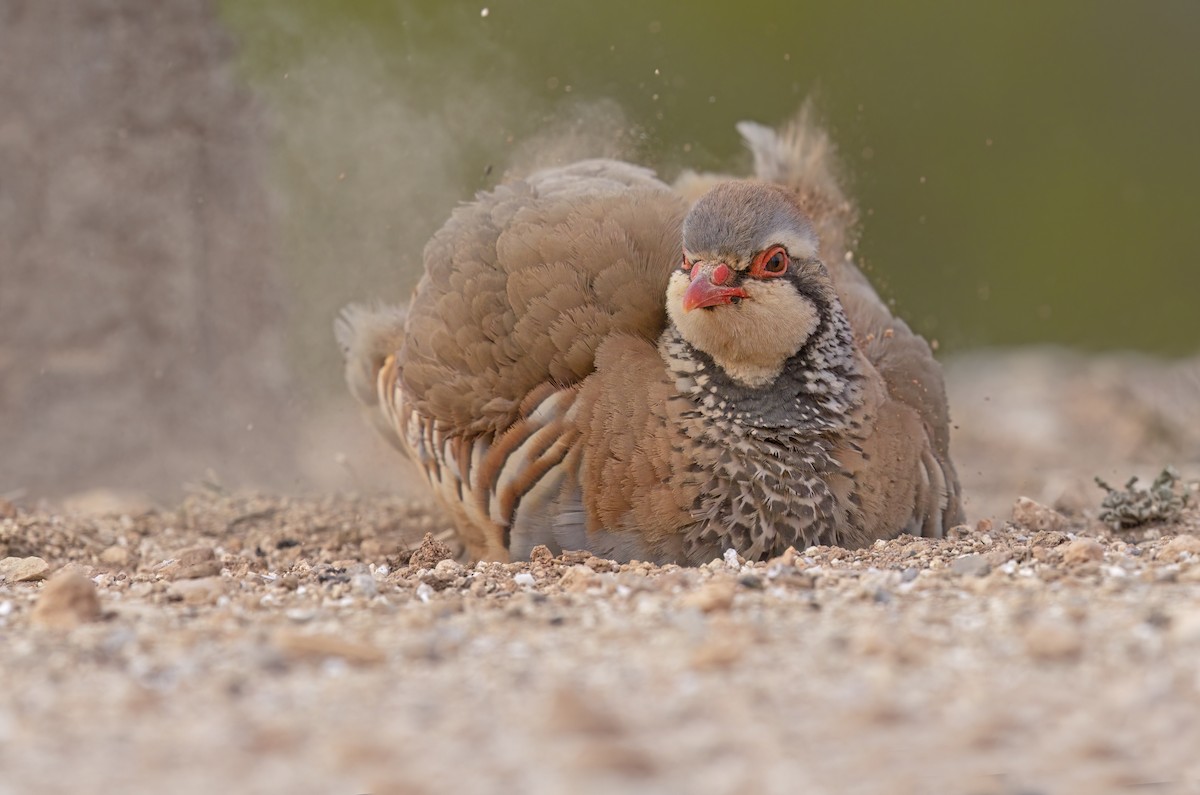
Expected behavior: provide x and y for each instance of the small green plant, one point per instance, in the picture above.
(1137, 505)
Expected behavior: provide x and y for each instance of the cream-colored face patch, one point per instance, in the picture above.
(752, 339)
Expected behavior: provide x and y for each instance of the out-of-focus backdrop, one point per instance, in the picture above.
(189, 191)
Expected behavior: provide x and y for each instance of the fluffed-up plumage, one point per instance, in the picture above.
(597, 360)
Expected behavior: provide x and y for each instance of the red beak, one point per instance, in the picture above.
(706, 290)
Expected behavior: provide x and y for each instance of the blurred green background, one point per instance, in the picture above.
(1027, 171)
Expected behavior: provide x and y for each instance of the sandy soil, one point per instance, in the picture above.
(268, 644)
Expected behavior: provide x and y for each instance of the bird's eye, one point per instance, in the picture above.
(685, 265)
(772, 262)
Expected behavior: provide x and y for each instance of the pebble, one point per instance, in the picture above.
(201, 591)
(118, 557)
(786, 560)
(364, 585)
(67, 600)
(524, 579)
(1037, 517)
(578, 579)
(23, 569)
(719, 651)
(319, 646)
(430, 553)
(1177, 546)
(711, 597)
(1083, 550)
(7, 509)
(192, 564)
(448, 566)
(573, 711)
(1053, 642)
(971, 565)
(541, 554)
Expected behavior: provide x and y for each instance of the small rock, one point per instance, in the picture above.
(365, 585)
(958, 531)
(1037, 517)
(1048, 539)
(318, 646)
(541, 554)
(430, 553)
(578, 579)
(717, 652)
(194, 556)
(117, 557)
(725, 643)
(1178, 545)
(1083, 550)
(202, 591)
(7, 509)
(192, 564)
(786, 560)
(1054, 642)
(971, 565)
(23, 569)
(573, 711)
(67, 600)
(600, 564)
(524, 579)
(711, 597)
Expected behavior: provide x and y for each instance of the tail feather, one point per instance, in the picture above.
(368, 335)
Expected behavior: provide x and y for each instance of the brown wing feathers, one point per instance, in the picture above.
(501, 311)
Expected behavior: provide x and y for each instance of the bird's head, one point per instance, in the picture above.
(749, 291)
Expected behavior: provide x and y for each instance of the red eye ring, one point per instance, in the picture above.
(770, 263)
(685, 265)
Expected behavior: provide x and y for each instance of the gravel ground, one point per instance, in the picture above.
(247, 643)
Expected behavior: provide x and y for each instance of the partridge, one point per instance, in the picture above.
(593, 361)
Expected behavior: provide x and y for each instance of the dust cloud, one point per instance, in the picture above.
(181, 225)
